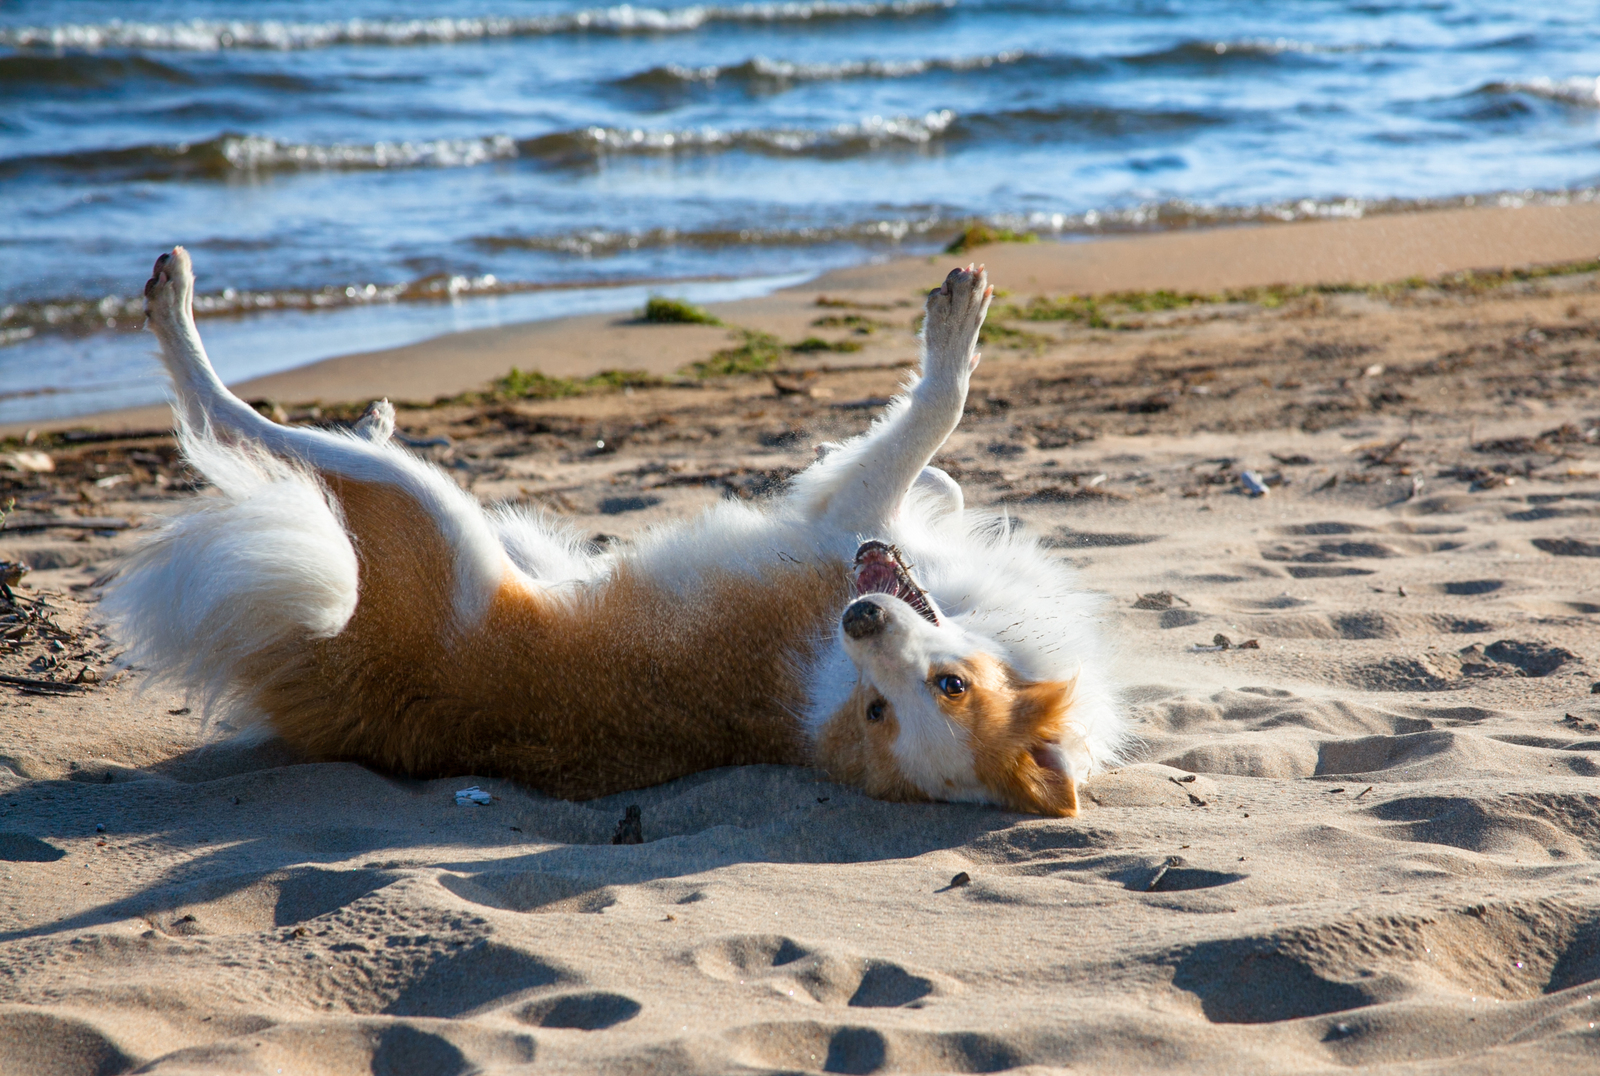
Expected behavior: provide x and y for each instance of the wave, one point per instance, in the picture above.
(211, 35)
(79, 316)
(843, 139)
(255, 154)
(236, 154)
(79, 71)
(600, 242)
(1082, 121)
(1211, 52)
(1584, 92)
(233, 154)
(20, 321)
(1179, 214)
(761, 71)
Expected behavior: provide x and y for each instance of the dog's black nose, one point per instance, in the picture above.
(864, 618)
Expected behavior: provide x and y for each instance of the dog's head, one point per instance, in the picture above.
(936, 715)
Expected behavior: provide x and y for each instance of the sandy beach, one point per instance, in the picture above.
(1362, 827)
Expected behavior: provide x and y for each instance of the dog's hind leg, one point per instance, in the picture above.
(203, 402)
(936, 483)
(860, 485)
(211, 414)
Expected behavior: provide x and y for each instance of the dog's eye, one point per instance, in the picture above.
(875, 710)
(952, 686)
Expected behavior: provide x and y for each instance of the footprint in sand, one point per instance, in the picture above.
(818, 974)
(1531, 827)
(1471, 587)
(1321, 736)
(21, 848)
(812, 1046)
(590, 1011)
(45, 1042)
(531, 891)
(1328, 557)
(1520, 952)
(450, 982)
(258, 901)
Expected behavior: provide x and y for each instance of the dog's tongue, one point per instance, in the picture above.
(878, 571)
(876, 575)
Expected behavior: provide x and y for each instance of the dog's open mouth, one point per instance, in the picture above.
(880, 569)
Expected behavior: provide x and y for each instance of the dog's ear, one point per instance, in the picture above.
(1024, 765)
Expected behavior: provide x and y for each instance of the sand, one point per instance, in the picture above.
(1368, 841)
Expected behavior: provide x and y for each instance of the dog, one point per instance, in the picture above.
(357, 603)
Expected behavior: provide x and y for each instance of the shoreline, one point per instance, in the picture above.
(1383, 248)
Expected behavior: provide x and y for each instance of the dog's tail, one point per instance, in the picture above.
(264, 563)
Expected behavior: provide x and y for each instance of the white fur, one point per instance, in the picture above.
(542, 548)
(270, 556)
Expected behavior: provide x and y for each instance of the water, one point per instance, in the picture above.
(447, 159)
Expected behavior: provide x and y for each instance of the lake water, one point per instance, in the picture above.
(364, 173)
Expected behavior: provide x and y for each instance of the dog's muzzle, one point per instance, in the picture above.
(863, 618)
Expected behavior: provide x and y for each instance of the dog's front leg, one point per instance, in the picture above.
(875, 471)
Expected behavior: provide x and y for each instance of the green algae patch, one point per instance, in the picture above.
(756, 353)
(660, 311)
(533, 385)
(982, 235)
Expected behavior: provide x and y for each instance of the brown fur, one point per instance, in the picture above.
(1007, 720)
(580, 693)
(859, 752)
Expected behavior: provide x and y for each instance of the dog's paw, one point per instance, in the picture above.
(955, 314)
(170, 289)
(376, 424)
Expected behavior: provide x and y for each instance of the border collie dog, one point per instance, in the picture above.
(354, 600)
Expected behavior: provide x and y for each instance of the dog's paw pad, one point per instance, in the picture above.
(157, 276)
(955, 314)
(170, 285)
